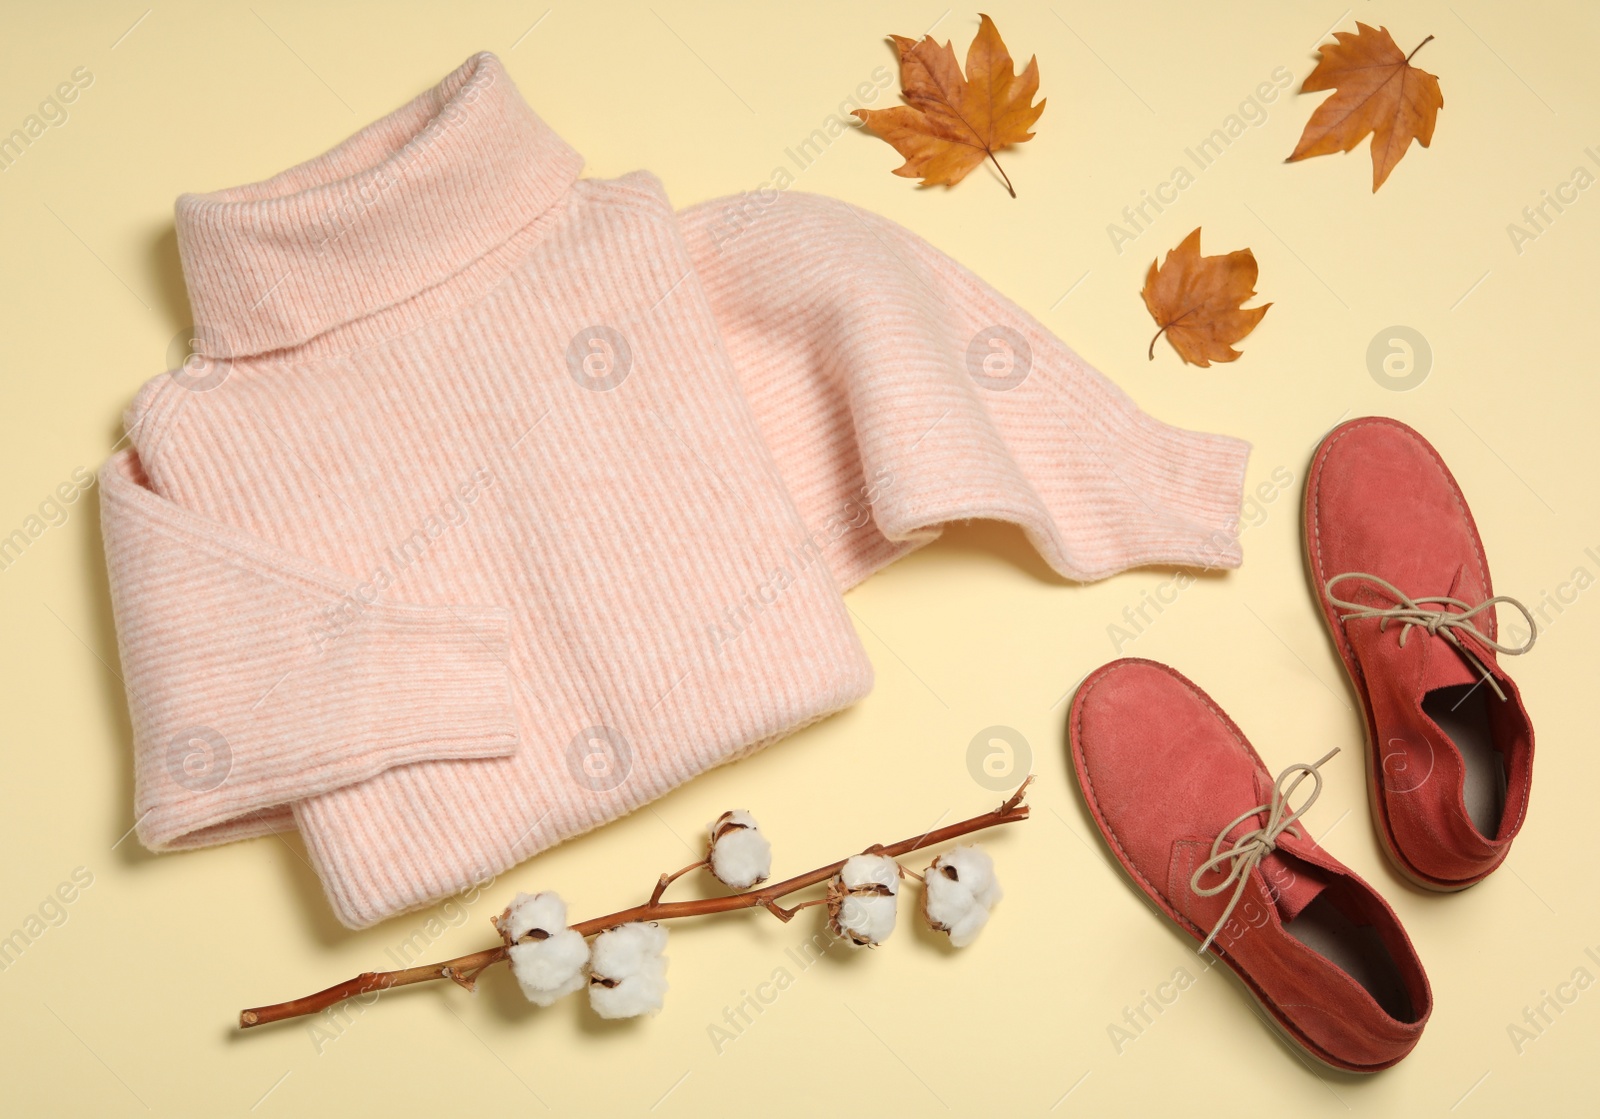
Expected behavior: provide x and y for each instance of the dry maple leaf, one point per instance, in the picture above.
(950, 123)
(1196, 301)
(1379, 91)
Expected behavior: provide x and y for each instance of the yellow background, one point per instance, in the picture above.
(129, 1004)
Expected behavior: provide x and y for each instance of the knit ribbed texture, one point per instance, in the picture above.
(515, 500)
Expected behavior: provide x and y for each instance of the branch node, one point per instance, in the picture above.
(1015, 799)
(500, 921)
(668, 879)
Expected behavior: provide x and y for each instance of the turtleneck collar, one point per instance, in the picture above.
(399, 207)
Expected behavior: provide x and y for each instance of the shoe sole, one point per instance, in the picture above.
(1316, 579)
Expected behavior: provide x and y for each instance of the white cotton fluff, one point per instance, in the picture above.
(627, 972)
(960, 889)
(550, 963)
(862, 899)
(544, 911)
(550, 969)
(740, 855)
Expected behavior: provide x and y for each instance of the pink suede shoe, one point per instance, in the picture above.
(1197, 821)
(1398, 569)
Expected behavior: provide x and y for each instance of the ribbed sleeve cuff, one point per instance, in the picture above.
(1189, 487)
(413, 684)
(428, 682)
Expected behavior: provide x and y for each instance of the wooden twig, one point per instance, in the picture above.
(469, 966)
(668, 879)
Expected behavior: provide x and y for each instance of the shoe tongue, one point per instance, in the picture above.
(1291, 882)
(1443, 665)
(1295, 882)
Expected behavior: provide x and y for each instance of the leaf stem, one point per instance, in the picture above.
(1003, 174)
(655, 910)
(1165, 328)
(1418, 47)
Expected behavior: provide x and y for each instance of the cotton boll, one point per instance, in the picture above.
(862, 899)
(627, 972)
(549, 962)
(971, 867)
(865, 921)
(740, 855)
(542, 912)
(959, 890)
(548, 969)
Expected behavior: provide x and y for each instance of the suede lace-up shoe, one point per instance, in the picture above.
(1399, 571)
(1217, 845)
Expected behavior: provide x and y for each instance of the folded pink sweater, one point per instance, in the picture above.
(505, 501)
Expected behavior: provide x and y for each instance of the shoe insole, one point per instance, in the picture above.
(1462, 712)
(1357, 950)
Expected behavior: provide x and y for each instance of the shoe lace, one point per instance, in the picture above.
(1250, 848)
(1439, 621)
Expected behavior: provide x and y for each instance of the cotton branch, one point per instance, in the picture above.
(465, 969)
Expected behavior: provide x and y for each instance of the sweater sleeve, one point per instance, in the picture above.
(256, 678)
(898, 391)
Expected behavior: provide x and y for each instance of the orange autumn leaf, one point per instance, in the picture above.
(951, 123)
(1379, 91)
(1196, 299)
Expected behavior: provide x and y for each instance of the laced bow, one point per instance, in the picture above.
(1440, 621)
(1250, 848)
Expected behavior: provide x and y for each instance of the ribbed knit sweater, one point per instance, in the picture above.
(504, 501)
